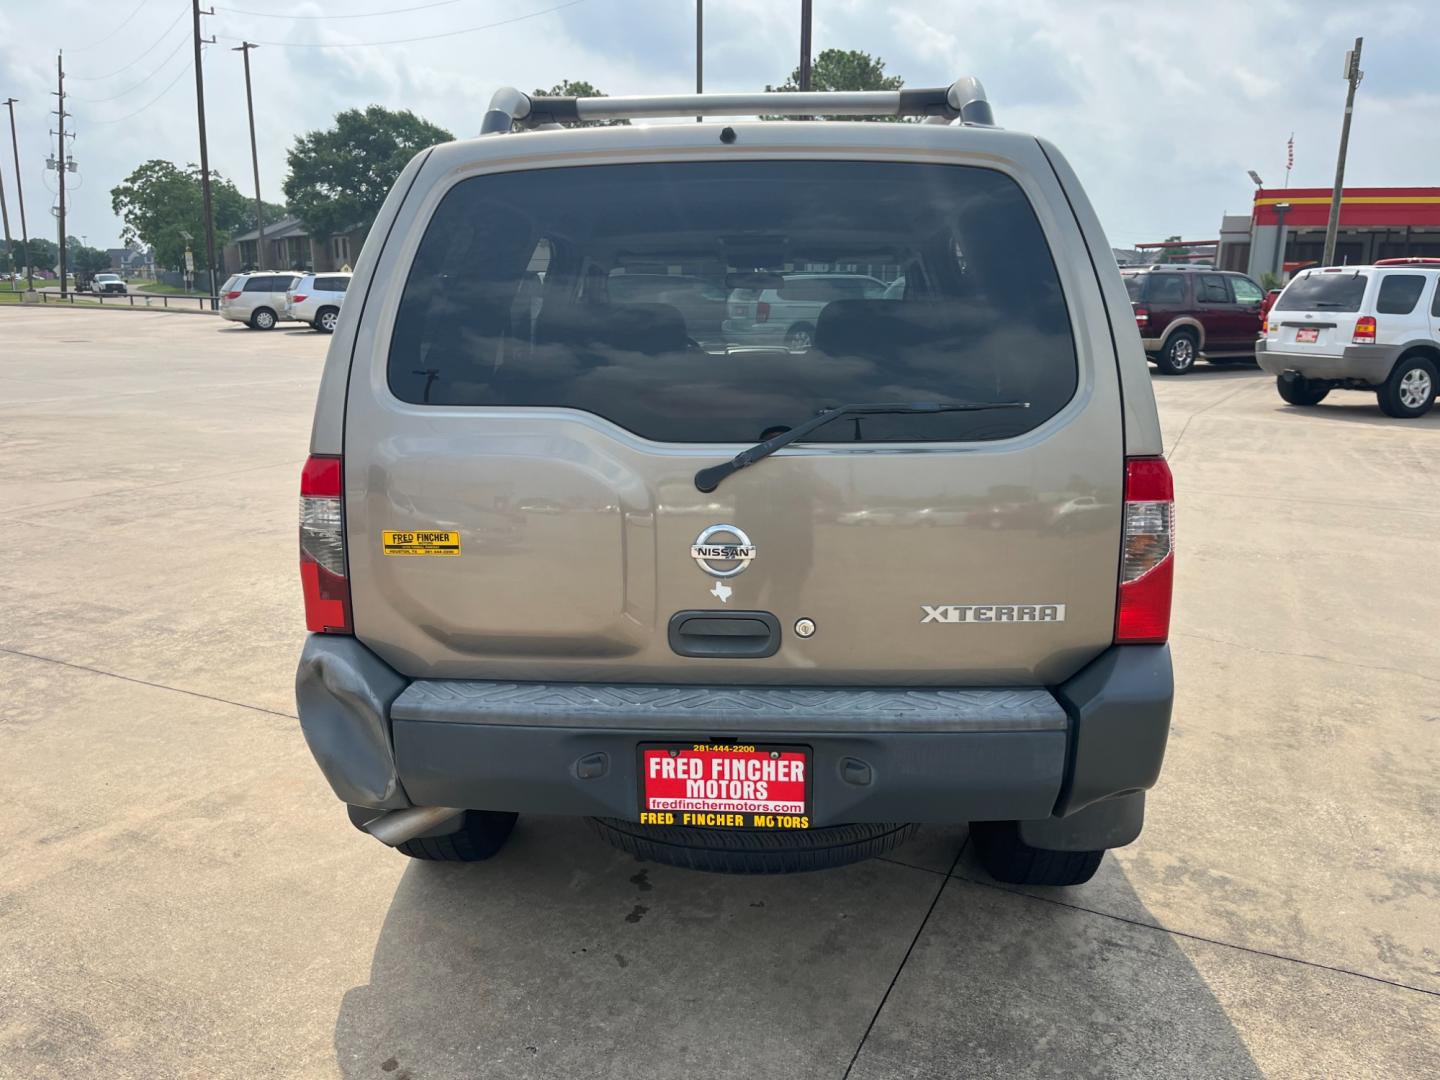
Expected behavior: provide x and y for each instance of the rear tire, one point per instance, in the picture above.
(1302, 392)
(263, 319)
(753, 851)
(1007, 858)
(1409, 392)
(1178, 355)
(483, 833)
(800, 337)
(326, 319)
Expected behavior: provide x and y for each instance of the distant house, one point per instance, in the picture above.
(289, 246)
(132, 261)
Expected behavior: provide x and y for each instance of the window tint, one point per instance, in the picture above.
(1435, 304)
(331, 284)
(1399, 293)
(1212, 289)
(476, 327)
(1246, 291)
(1323, 292)
(1165, 289)
(259, 283)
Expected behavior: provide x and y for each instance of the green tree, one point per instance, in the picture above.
(340, 176)
(80, 259)
(569, 88)
(159, 202)
(845, 69)
(44, 254)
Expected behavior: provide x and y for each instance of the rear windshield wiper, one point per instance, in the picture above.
(707, 480)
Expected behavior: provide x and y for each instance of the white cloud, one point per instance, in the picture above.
(1160, 107)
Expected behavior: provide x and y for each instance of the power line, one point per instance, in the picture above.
(406, 41)
(140, 56)
(159, 67)
(123, 24)
(343, 15)
(183, 72)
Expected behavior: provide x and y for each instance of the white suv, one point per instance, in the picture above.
(256, 299)
(316, 299)
(1373, 328)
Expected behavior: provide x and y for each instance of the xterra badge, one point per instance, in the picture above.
(993, 613)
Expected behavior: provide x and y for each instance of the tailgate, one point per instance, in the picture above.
(551, 456)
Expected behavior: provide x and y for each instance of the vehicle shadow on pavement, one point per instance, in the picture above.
(1351, 407)
(565, 957)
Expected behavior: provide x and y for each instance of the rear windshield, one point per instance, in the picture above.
(551, 288)
(1323, 292)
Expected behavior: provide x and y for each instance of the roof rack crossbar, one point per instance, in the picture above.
(963, 101)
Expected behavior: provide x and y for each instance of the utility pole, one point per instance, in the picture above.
(9, 247)
(60, 167)
(1353, 74)
(244, 49)
(699, 51)
(804, 46)
(20, 196)
(204, 153)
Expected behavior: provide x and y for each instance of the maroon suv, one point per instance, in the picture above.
(1183, 312)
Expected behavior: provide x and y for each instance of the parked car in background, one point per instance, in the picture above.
(108, 283)
(1373, 328)
(1271, 295)
(1184, 313)
(257, 299)
(316, 299)
(787, 312)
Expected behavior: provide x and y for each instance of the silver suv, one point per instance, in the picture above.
(747, 607)
(787, 311)
(316, 299)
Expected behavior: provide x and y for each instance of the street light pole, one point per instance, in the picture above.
(60, 168)
(20, 196)
(1354, 75)
(804, 46)
(699, 51)
(9, 247)
(244, 49)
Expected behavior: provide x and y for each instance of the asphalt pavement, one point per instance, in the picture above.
(182, 896)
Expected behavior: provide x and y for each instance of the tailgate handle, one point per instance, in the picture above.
(730, 635)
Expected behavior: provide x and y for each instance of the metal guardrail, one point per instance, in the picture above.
(184, 301)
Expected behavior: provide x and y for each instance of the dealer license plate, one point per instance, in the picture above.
(1307, 333)
(722, 786)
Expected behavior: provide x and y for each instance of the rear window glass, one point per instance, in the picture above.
(1399, 293)
(1323, 292)
(984, 318)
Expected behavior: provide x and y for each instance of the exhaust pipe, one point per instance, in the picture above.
(399, 826)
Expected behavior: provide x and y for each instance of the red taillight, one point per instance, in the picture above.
(297, 298)
(322, 547)
(234, 294)
(1147, 562)
(1142, 316)
(762, 311)
(1364, 330)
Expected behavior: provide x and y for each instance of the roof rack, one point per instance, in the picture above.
(963, 101)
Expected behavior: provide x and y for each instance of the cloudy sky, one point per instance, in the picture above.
(1161, 107)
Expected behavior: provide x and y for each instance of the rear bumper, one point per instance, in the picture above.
(878, 754)
(1367, 363)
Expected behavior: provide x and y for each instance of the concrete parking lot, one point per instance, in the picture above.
(181, 895)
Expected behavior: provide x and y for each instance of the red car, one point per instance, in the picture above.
(1185, 312)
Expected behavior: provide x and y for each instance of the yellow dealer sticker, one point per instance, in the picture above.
(422, 542)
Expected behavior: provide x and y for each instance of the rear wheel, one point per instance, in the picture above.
(801, 336)
(263, 319)
(1179, 353)
(327, 318)
(482, 834)
(1007, 858)
(1301, 391)
(1410, 390)
(754, 851)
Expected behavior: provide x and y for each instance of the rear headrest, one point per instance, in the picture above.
(647, 328)
(868, 327)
